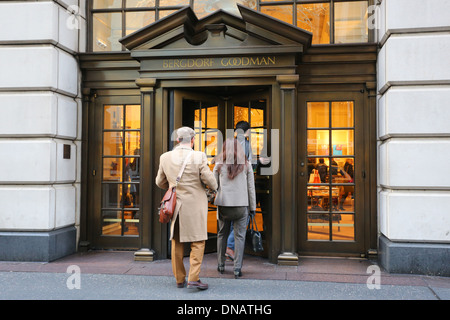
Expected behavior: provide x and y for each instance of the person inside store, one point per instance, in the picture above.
(235, 195)
(347, 173)
(322, 169)
(189, 222)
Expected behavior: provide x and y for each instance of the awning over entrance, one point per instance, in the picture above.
(217, 45)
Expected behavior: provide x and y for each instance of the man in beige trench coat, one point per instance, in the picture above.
(189, 222)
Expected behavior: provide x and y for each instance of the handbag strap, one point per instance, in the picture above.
(253, 224)
(183, 167)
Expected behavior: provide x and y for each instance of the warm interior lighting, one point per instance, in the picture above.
(330, 147)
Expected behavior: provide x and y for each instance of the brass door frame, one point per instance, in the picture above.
(361, 164)
(225, 118)
(177, 116)
(95, 160)
(155, 141)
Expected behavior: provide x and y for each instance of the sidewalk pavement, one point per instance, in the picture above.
(114, 275)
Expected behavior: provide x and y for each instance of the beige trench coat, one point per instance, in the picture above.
(192, 204)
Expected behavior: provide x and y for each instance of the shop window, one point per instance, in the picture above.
(350, 22)
(331, 186)
(107, 30)
(140, 3)
(138, 20)
(120, 173)
(280, 12)
(330, 21)
(315, 18)
(106, 4)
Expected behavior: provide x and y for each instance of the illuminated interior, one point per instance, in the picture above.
(330, 148)
(206, 138)
(329, 21)
(120, 174)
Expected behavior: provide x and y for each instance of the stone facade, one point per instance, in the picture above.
(414, 136)
(40, 103)
(40, 128)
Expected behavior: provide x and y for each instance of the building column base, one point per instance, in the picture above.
(37, 246)
(144, 254)
(416, 258)
(288, 259)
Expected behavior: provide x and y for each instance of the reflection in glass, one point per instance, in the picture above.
(133, 117)
(318, 226)
(343, 227)
(318, 142)
(318, 114)
(132, 143)
(257, 140)
(107, 30)
(106, 4)
(112, 195)
(350, 22)
(281, 12)
(342, 114)
(112, 143)
(113, 117)
(132, 170)
(342, 142)
(112, 222)
(165, 13)
(342, 170)
(346, 199)
(168, 3)
(138, 20)
(211, 147)
(131, 223)
(257, 113)
(240, 113)
(315, 18)
(203, 8)
(140, 3)
(112, 169)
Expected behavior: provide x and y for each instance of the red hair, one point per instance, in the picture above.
(233, 157)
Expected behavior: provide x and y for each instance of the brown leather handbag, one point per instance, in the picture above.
(169, 201)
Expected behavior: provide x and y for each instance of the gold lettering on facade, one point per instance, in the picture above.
(223, 62)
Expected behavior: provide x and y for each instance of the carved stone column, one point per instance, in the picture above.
(288, 154)
(147, 86)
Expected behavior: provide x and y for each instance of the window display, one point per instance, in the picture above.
(330, 21)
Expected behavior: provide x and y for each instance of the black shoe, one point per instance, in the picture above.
(221, 269)
(237, 274)
(197, 285)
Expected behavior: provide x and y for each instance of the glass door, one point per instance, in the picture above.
(115, 192)
(331, 173)
(252, 108)
(203, 113)
(211, 116)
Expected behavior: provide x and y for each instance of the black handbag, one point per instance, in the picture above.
(253, 236)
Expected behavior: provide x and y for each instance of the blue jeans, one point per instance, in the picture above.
(230, 241)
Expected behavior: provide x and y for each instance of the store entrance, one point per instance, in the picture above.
(214, 113)
(332, 215)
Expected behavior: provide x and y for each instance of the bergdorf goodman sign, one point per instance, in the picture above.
(220, 62)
